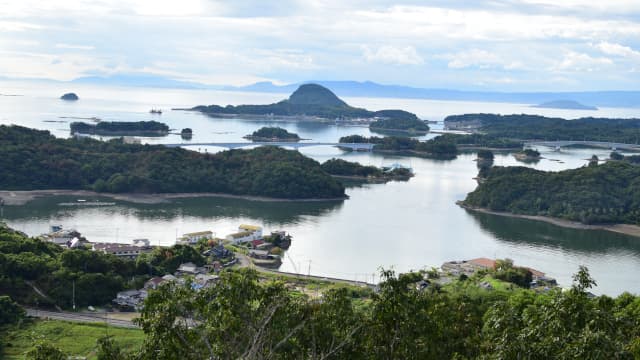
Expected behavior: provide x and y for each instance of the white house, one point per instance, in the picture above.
(251, 228)
(194, 237)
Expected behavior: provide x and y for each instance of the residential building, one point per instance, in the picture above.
(194, 237)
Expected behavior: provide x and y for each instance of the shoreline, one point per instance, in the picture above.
(21, 197)
(626, 229)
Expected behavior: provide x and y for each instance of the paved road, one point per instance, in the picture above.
(244, 261)
(84, 317)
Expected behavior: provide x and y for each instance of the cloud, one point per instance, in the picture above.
(481, 59)
(617, 50)
(392, 55)
(574, 61)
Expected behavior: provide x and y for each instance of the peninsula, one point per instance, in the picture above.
(313, 102)
(597, 194)
(528, 127)
(121, 128)
(36, 160)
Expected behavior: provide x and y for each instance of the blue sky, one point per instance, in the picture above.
(509, 45)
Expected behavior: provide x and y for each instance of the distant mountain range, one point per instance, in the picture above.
(371, 89)
(565, 104)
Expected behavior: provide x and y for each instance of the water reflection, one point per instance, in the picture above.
(203, 208)
(542, 234)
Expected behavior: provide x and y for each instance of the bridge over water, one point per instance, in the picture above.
(596, 144)
(295, 145)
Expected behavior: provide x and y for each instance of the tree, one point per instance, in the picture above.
(10, 312)
(45, 351)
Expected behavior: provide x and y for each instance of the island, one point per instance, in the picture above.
(396, 121)
(535, 127)
(186, 133)
(273, 134)
(565, 104)
(596, 194)
(313, 102)
(36, 160)
(69, 97)
(438, 148)
(355, 171)
(527, 155)
(121, 128)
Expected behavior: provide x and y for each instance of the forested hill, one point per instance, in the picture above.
(539, 127)
(309, 100)
(33, 160)
(608, 193)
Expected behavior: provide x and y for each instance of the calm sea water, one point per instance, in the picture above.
(404, 225)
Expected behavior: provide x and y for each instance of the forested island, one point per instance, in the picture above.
(597, 194)
(353, 170)
(121, 128)
(272, 134)
(528, 155)
(440, 147)
(529, 127)
(317, 102)
(36, 160)
(402, 124)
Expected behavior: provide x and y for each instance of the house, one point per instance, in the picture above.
(243, 236)
(122, 250)
(130, 299)
(154, 283)
(194, 237)
(259, 254)
(251, 228)
(205, 280)
(190, 269)
(256, 243)
(482, 263)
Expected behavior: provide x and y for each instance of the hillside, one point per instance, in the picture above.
(35, 160)
(607, 193)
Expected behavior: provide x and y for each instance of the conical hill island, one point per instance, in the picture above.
(312, 102)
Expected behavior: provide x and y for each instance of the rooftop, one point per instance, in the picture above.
(250, 227)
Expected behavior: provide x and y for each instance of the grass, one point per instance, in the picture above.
(75, 339)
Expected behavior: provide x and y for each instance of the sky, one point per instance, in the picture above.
(505, 45)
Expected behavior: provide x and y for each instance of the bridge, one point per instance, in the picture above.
(595, 144)
(295, 145)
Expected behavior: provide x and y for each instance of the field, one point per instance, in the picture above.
(75, 339)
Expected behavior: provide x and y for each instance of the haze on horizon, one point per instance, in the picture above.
(506, 45)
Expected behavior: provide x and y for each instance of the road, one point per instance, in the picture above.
(244, 261)
(83, 317)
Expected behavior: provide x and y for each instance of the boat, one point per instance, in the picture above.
(155, 111)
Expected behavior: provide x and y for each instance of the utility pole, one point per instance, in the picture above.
(73, 292)
(1, 209)
(309, 269)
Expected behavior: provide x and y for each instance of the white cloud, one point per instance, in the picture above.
(574, 61)
(617, 50)
(392, 55)
(482, 59)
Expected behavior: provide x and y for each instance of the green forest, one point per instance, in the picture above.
(407, 124)
(606, 193)
(530, 127)
(269, 133)
(438, 147)
(26, 263)
(34, 159)
(245, 318)
(116, 128)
